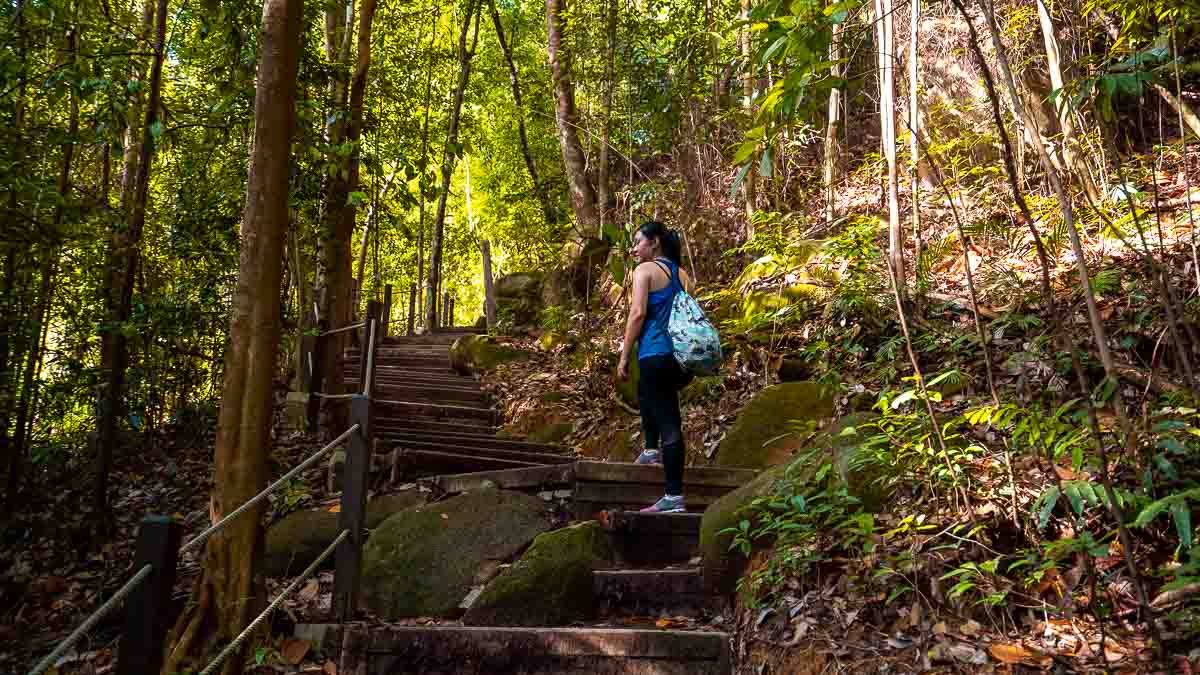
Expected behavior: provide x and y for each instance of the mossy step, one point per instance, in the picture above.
(476, 650)
(658, 592)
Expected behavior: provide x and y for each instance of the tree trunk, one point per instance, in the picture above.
(230, 593)
(489, 290)
(437, 12)
(122, 265)
(914, 125)
(884, 37)
(749, 184)
(1073, 160)
(334, 282)
(449, 155)
(583, 196)
(604, 193)
(832, 152)
(548, 210)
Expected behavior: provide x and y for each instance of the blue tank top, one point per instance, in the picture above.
(654, 340)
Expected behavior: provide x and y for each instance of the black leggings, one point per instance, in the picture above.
(660, 379)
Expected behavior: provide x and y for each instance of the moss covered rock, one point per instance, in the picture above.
(759, 438)
(477, 353)
(296, 540)
(550, 585)
(552, 433)
(519, 298)
(421, 561)
(702, 389)
(519, 284)
(840, 445)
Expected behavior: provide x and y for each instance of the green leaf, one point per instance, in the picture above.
(1048, 499)
(1181, 513)
(737, 180)
(156, 129)
(770, 51)
(1074, 497)
(766, 166)
(904, 398)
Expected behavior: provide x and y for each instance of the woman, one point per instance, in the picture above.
(656, 280)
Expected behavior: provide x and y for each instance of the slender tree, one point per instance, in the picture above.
(449, 157)
(229, 592)
(832, 152)
(1073, 159)
(122, 267)
(885, 51)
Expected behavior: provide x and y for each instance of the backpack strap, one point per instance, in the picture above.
(672, 275)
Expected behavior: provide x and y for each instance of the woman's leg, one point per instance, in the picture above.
(660, 376)
(650, 430)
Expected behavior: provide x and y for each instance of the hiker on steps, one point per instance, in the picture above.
(656, 280)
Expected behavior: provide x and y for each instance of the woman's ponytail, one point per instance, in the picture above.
(667, 238)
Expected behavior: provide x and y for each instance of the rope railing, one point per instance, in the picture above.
(237, 642)
(267, 491)
(159, 549)
(90, 623)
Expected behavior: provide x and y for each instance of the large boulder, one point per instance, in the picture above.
(296, 540)
(421, 562)
(519, 298)
(551, 585)
(478, 353)
(759, 438)
(840, 445)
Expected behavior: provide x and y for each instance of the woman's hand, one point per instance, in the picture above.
(623, 368)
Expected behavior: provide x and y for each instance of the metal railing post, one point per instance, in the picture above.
(365, 342)
(387, 312)
(412, 308)
(316, 374)
(353, 514)
(147, 613)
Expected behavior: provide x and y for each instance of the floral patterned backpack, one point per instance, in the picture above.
(695, 341)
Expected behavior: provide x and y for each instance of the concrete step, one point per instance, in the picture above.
(425, 650)
(652, 538)
(656, 592)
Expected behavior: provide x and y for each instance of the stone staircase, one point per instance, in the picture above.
(652, 614)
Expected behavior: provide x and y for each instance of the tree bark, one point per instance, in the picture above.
(749, 183)
(548, 210)
(884, 37)
(1076, 162)
(334, 282)
(449, 155)
(230, 592)
(489, 290)
(604, 193)
(583, 195)
(832, 152)
(425, 154)
(122, 266)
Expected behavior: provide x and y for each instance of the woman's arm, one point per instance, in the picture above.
(637, 314)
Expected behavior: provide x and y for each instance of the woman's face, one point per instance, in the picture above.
(644, 248)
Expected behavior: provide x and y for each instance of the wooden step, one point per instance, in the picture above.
(479, 451)
(450, 395)
(402, 423)
(601, 486)
(472, 440)
(660, 592)
(653, 538)
(531, 478)
(417, 463)
(401, 378)
(448, 413)
(425, 650)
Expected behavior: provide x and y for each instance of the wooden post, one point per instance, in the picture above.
(148, 609)
(316, 377)
(386, 325)
(450, 314)
(489, 291)
(372, 318)
(353, 513)
(412, 308)
(445, 308)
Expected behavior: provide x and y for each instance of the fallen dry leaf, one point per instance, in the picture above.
(294, 651)
(310, 590)
(330, 668)
(1015, 653)
(336, 508)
